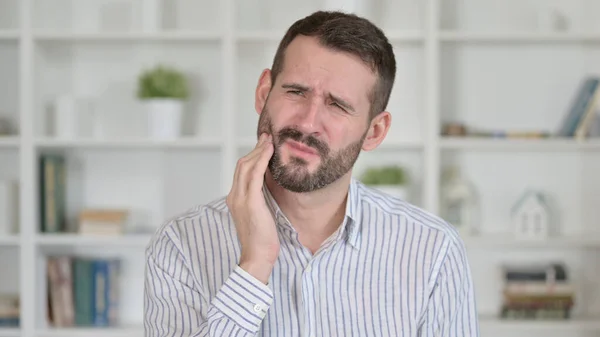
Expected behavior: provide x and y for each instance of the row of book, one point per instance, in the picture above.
(537, 292)
(54, 209)
(582, 118)
(9, 310)
(83, 292)
(581, 121)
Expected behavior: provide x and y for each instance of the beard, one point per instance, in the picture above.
(295, 175)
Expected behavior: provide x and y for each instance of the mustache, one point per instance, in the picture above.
(300, 137)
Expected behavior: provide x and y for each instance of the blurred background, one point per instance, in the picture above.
(117, 114)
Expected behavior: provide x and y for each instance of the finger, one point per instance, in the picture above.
(260, 167)
(245, 165)
(248, 172)
(246, 175)
(250, 156)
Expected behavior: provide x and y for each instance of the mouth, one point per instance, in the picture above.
(301, 148)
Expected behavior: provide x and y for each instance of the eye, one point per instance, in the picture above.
(338, 106)
(295, 92)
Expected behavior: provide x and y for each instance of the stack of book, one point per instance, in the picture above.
(102, 221)
(537, 292)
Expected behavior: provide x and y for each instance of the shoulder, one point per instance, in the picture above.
(396, 207)
(447, 248)
(447, 236)
(178, 230)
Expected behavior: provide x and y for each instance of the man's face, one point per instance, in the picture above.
(317, 112)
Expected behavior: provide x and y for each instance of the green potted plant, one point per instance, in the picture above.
(390, 179)
(163, 91)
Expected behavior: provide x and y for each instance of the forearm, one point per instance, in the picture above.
(243, 302)
(175, 308)
(451, 310)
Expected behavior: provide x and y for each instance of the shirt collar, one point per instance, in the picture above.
(352, 220)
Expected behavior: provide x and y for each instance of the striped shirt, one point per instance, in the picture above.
(391, 269)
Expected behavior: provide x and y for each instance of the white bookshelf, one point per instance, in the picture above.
(9, 241)
(10, 332)
(75, 240)
(491, 324)
(133, 331)
(129, 144)
(481, 62)
(515, 37)
(9, 142)
(520, 145)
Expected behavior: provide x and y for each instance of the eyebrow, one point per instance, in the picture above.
(304, 88)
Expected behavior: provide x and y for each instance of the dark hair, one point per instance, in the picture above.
(352, 34)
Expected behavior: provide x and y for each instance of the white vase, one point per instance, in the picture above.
(399, 191)
(164, 118)
(74, 117)
(151, 16)
(65, 119)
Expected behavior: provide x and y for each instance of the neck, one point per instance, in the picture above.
(317, 214)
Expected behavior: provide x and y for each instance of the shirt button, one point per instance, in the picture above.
(257, 308)
(307, 269)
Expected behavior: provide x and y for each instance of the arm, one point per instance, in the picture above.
(451, 310)
(175, 303)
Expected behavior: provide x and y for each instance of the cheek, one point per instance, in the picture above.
(340, 132)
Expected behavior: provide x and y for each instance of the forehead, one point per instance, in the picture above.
(323, 68)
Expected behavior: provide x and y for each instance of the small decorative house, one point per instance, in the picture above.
(531, 216)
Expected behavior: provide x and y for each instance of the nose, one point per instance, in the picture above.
(309, 117)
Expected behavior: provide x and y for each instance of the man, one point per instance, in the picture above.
(298, 247)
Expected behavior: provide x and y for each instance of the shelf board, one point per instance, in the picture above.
(400, 145)
(518, 144)
(386, 145)
(259, 36)
(70, 240)
(9, 35)
(9, 240)
(492, 322)
(405, 36)
(532, 37)
(10, 332)
(508, 241)
(188, 36)
(182, 143)
(133, 331)
(276, 36)
(9, 141)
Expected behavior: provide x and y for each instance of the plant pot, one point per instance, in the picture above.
(399, 191)
(164, 118)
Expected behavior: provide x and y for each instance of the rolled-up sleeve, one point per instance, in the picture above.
(451, 309)
(175, 303)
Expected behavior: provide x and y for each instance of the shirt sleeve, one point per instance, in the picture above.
(175, 304)
(451, 309)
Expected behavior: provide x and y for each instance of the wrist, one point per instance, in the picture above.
(259, 270)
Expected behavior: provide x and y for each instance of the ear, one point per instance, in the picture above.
(262, 90)
(377, 131)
